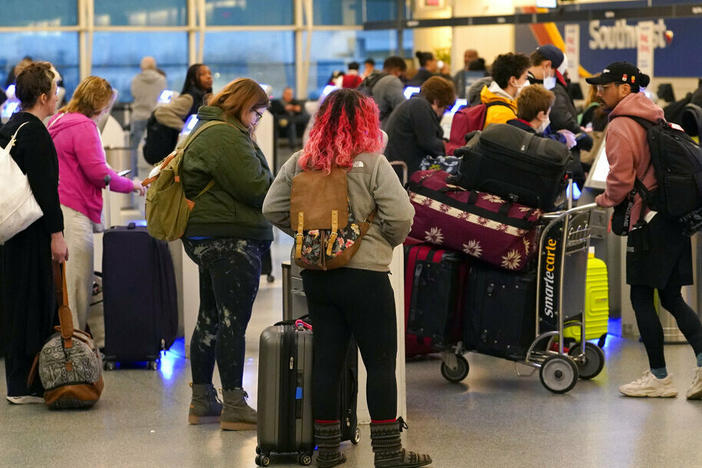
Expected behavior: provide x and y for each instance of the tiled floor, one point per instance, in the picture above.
(492, 419)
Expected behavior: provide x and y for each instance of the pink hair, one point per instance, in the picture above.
(346, 125)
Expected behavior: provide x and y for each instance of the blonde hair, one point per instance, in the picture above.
(240, 96)
(91, 96)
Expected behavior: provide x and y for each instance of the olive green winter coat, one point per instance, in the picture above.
(227, 155)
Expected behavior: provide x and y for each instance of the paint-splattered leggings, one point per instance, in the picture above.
(230, 270)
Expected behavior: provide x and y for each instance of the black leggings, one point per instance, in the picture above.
(230, 270)
(650, 325)
(361, 303)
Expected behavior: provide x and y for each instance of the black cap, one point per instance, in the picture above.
(617, 72)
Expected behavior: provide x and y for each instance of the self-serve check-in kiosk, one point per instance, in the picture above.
(612, 250)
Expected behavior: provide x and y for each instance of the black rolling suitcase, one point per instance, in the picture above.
(500, 311)
(139, 296)
(515, 165)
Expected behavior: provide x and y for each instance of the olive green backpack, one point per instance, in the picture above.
(167, 208)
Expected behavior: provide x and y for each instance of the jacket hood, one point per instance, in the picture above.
(65, 120)
(495, 93)
(148, 77)
(216, 113)
(638, 105)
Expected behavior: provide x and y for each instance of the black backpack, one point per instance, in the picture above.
(677, 163)
(160, 140)
(366, 86)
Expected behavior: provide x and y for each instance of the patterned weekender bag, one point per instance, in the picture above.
(69, 364)
(484, 226)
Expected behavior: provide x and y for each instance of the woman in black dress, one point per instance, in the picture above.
(29, 304)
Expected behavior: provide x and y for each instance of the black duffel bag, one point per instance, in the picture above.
(160, 140)
(514, 164)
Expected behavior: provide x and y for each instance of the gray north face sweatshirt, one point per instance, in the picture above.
(372, 183)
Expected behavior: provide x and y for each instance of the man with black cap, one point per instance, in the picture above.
(548, 64)
(658, 254)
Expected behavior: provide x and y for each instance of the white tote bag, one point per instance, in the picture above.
(18, 207)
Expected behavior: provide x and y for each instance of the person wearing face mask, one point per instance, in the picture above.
(413, 127)
(509, 76)
(534, 105)
(82, 170)
(548, 64)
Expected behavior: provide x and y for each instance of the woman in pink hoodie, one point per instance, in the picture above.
(82, 173)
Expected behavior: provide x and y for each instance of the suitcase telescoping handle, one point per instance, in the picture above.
(405, 171)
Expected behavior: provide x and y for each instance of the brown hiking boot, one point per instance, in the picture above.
(205, 406)
(237, 415)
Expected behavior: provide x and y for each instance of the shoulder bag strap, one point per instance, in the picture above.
(11, 143)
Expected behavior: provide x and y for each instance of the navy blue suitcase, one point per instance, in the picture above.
(139, 296)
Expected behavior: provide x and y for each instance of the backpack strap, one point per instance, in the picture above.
(184, 145)
(638, 184)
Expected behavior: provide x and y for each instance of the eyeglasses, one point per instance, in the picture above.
(603, 88)
(259, 116)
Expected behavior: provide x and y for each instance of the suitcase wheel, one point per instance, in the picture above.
(153, 365)
(270, 278)
(108, 365)
(263, 460)
(457, 374)
(303, 459)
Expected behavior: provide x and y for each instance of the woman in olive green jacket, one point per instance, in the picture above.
(226, 236)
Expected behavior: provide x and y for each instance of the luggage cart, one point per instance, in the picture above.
(567, 236)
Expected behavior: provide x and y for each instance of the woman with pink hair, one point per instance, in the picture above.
(357, 300)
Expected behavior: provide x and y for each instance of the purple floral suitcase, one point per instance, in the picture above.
(479, 224)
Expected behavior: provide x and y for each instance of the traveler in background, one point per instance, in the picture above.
(226, 236)
(548, 64)
(428, 67)
(82, 170)
(462, 78)
(658, 254)
(368, 68)
(290, 115)
(509, 75)
(346, 134)
(197, 86)
(386, 87)
(352, 79)
(16, 70)
(27, 286)
(533, 108)
(414, 129)
(146, 88)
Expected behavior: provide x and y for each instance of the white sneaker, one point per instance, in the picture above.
(650, 386)
(25, 400)
(695, 390)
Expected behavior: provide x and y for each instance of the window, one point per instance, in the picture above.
(38, 13)
(249, 12)
(116, 57)
(353, 12)
(333, 50)
(140, 13)
(265, 56)
(59, 48)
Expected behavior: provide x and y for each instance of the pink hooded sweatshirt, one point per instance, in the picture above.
(82, 165)
(628, 154)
